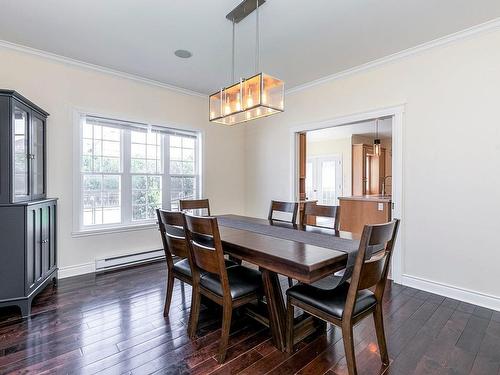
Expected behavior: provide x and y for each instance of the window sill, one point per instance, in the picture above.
(111, 230)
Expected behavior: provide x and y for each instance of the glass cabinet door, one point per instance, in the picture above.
(21, 154)
(37, 155)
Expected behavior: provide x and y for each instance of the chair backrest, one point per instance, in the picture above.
(173, 236)
(203, 238)
(316, 210)
(286, 207)
(372, 261)
(194, 204)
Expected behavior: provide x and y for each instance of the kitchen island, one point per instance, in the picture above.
(356, 211)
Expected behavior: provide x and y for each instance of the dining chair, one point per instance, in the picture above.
(312, 209)
(284, 207)
(171, 227)
(195, 204)
(350, 302)
(229, 287)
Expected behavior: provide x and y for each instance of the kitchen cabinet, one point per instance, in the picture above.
(368, 170)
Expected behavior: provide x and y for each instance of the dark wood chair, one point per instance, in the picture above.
(348, 303)
(312, 209)
(229, 287)
(193, 205)
(171, 227)
(285, 207)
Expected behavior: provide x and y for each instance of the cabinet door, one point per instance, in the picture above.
(37, 156)
(20, 153)
(45, 236)
(34, 270)
(50, 236)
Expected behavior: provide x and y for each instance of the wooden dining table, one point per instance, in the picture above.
(295, 258)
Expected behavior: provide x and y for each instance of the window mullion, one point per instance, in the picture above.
(166, 197)
(126, 188)
(197, 169)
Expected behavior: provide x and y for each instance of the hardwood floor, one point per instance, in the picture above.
(113, 324)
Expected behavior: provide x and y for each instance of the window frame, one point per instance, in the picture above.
(127, 224)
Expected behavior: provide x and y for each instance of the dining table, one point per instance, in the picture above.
(304, 253)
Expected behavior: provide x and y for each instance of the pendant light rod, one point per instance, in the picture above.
(257, 38)
(233, 54)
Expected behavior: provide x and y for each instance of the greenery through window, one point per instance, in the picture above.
(128, 170)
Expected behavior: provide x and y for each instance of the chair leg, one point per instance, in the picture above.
(290, 282)
(379, 328)
(348, 338)
(168, 296)
(290, 321)
(224, 337)
(195, 312)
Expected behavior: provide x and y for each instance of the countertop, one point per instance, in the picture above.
(370, 198)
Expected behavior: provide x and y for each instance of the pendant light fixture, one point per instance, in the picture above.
(257, 96)
(376, 142)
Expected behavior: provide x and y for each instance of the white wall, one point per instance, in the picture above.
(451, 155)
(340, 147)
(59, 89)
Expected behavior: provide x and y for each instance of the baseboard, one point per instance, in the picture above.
(77, 269)
(466, 295)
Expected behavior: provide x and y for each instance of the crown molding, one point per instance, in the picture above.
(67, 60)
(464, 34)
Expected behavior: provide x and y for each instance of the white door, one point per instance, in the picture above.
(324, 179)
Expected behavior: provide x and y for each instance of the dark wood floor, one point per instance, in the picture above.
(113, 324)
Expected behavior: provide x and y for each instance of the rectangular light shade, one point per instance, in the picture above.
(249, 99)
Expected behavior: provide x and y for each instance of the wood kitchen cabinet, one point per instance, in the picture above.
(358, 211)
(368, 170)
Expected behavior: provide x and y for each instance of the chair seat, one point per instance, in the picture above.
(183, 267)
(242, 281)
(331, 301)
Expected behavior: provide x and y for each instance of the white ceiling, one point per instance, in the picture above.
(366, 128)
(300, 40)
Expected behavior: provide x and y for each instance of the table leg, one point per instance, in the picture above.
(276, 308)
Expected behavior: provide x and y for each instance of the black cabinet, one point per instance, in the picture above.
(22, 149)
(28, 232)
(27, 218)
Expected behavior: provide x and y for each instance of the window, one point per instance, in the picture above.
(127, 170)
(182, 170)
(146, 169)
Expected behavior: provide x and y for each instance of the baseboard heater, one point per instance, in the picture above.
(121, 261)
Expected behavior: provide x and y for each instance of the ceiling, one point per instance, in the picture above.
(365, 128)
(300, 41)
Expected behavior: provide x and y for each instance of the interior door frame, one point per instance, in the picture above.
(397, 114)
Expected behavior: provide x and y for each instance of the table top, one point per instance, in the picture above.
(301, 261)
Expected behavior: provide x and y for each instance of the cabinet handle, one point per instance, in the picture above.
(31, 156)
(45, 241)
